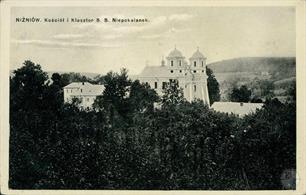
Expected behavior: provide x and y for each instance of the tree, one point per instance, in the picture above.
(54, 94)
(268, 144)
(172, 94)
(142, 97)
(28, 86)
(74, 77)
(27, 117)
(291, 92)
(213, 86)
(116, 92)
(241, 94)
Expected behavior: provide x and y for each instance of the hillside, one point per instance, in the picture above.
(254, 72)
(280, 67)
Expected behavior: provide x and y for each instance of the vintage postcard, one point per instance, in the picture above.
(187, 97)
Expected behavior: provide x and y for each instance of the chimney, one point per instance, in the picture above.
(163, 61)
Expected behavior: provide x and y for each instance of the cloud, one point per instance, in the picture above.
(63, 44)
(164, 34)
(68, 36)
(180, 17)
(153, 36)
(102, 35)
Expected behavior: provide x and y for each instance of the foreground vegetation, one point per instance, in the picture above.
(124, 143)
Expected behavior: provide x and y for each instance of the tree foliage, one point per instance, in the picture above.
(213, 86)
(172, 94)
(242, 94)
(125, 143)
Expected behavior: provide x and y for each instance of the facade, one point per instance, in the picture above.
(191, 76)
(84, 91)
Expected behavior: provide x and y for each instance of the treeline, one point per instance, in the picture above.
(125, 143)
(258, 91)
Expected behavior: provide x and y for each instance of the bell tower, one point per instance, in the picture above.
(196, 79)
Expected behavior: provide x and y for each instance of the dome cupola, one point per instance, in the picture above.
(175, 59)
(198, 62)
(175, 54)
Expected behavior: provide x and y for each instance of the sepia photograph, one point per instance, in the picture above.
(166, 97)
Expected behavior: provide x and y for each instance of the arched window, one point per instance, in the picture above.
(180, 62)
(194, 88)
(171, 62)
(195, 63)
(202, 64)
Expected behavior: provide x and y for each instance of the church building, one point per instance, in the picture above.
(191, 76)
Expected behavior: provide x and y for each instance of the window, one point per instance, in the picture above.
(202, 63)
(195, 63)
(180, 63)
(71, 90)
(87, 99)
(171, 71)
(194, 88)
(194, 71)
(155, 85)
(202, 70)
(180, 71)
(164, 85)
(171, 62)
(81, 90)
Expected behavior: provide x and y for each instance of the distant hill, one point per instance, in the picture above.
(281, 67)
(281, 71)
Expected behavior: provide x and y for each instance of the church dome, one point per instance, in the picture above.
(175, 54)
(197, 54)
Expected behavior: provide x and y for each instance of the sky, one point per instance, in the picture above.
(220, 33)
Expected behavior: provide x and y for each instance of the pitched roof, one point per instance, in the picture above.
(77, 84)
(238, 108)
(94, 90)
(157, 71)
(86, 88)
